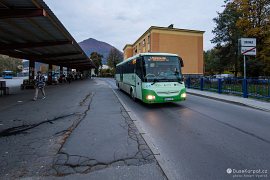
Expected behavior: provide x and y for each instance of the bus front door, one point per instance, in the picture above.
(138, 78)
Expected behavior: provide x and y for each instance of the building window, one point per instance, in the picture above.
(143, 43)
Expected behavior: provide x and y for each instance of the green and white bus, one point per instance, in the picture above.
(152, 77)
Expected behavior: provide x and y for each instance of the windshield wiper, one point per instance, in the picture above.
(180, 80)
(155, 80)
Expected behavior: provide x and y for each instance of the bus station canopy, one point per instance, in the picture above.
(29, 30)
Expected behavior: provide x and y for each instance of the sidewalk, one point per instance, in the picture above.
(80, 131)
(265, 106)
(106, 144)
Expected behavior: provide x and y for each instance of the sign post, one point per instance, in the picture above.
(245, 74)
(247, 51)
(248, 48)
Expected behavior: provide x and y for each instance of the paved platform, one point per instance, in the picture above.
(265, 106)
(80, 131)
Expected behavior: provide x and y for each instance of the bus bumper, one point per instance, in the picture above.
(151, 97)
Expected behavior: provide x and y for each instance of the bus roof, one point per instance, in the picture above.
(147, 54)
(8, 71)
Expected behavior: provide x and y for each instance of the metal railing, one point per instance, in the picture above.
(256, 88)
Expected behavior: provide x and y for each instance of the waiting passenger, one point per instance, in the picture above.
(39, 85)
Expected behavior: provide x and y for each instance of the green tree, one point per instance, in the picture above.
(265, 56)
(254, 22)
(106, 72)
(254, 19)
(114, 58)
(215, 63)
(97, 60)
(244, 18)
(226, 38)
(212, 62)
(9, 63)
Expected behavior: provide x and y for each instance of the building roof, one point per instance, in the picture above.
(127, 45)
(166, 29)
(30, 30)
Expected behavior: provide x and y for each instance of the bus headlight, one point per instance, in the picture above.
(183, 95)
(150, 97)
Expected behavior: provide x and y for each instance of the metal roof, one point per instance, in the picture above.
(30, 30)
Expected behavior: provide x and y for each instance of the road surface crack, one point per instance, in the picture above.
(23, 128)
(66, 133)
(66, 164)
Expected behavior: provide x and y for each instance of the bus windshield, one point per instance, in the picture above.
(162, 69)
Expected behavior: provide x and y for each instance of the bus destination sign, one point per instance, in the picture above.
(158, 58)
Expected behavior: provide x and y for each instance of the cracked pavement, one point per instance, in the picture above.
(80, 131)
(132, 150)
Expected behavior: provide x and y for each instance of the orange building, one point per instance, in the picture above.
(188, 44)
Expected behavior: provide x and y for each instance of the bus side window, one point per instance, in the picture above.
(121, 72)
(125, 68)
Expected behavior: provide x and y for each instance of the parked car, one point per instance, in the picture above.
(263, 79)
(222, 76)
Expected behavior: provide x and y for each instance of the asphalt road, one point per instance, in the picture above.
(206, 139)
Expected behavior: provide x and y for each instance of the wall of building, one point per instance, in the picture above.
(128, 51)
(187, 44)
(143, 44)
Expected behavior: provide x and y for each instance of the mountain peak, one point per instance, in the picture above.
(89, 39)
(92, 45)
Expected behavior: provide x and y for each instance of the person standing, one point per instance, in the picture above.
(39, 84)
(69, 77)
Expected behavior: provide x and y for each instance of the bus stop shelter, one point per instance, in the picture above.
(29, 30)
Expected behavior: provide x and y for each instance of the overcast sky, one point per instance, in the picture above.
(121, 22)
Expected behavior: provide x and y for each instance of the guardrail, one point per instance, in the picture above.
(256, 88)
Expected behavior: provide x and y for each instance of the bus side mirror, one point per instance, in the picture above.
(182, 79)
(181, 62)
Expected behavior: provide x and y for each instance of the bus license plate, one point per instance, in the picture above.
(168, 99)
